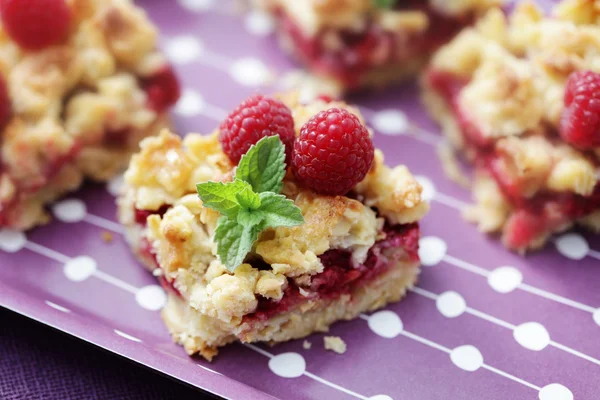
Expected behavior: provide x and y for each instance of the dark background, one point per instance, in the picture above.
(38, 362)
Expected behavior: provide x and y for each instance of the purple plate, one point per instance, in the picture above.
(482, 323)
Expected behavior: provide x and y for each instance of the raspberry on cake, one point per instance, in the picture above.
(520, 98)
(351, 44)
(263, 257)
(81, 83)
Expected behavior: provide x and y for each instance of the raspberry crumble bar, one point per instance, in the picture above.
(350, 44)
(81, 83)
(519, 97)
(344, 241)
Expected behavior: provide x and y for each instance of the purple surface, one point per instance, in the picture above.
(559, 293)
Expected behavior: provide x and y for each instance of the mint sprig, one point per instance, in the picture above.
(251, 203)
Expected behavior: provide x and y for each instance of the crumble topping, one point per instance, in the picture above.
(78, 108)
(509, 76)
(335, 344)
(178, 229)
(314, 15)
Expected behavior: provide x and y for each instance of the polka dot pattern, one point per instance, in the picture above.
(190, 104)
(428, 192)
(390, 122)
(451, 304)
(287, 365)
(250, 72)
(80, 268)
(532, 336)
(70, 210)
(467, 358)
(386, 324)
(197, 5)
(432, 250)
(573, 246)
(259, 23)
(505, 279)
(555, 391)
(11, 240)
(151, 297)
(183, 49)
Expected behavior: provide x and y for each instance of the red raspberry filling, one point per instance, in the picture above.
(35, 24)
(340, 277)
(333, 153)
(256, 117)
(372, 48)
(162, 89)
(532, 217)
(580, 121)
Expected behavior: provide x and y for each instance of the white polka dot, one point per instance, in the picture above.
(597, 316)
(250, 72)
(183, 49)
(287, 365)
(127, 336)
(12, 241)
(505, 279)
(70, 210)
(451, 304)
(467, 357)
(115, 185)
(259, 23)
(197, 5)
(386, 324)
(428, 187)
(151, 297)
(57, 307)
(390, 122)
(432, 250)
(573, 246)
(555, 391)
(80, 268)
(190, 103)
(532, 336)
(380, 397)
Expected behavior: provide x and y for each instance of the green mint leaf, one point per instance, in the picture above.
(222, 197)
(234, 242)
(277, 210)
(384, 3)
(248, 199)
(263, 165)
(249, 217)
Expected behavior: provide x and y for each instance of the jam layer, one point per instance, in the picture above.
(533, 216)
(357, 53)
(340, 276)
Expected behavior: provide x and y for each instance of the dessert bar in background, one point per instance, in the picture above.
(355, 251)
(352, 44)
(519, 97)
(81, 83)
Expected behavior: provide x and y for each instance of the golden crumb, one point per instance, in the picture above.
(335, 344)
(107, 236)
(306, 345)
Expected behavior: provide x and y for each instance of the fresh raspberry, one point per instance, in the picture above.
(162, 89)
(256, 117)
(35, 24)
(580, 120)
(333, 152)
